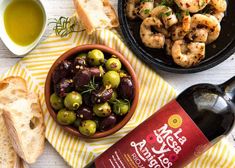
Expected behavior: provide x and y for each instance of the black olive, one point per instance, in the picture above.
(86, 99)
(102, 95)
(63, 87)
(82, 78)
(126, 88)
(97, 121)
(63, 70)
(97, 72)
(108, 123)
(85, 113)
(79, 63)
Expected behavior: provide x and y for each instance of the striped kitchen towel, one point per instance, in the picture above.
(154, 93)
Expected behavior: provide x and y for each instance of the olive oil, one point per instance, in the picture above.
(23, 20)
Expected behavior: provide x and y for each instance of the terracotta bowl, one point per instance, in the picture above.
(85, 48)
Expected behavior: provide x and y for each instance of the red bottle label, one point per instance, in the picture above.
(169, 138)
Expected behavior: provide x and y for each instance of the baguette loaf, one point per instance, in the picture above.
(8, 157)
(96, 14)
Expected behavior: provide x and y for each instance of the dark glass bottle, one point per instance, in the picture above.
(211, 107)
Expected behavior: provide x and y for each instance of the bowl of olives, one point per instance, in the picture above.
(91, 91)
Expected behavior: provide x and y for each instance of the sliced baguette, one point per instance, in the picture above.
(96, 14)
(8, 157)
(23, 164)
(24, 121)
(11, 89)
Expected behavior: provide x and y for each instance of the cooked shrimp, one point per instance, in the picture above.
(187, 55)
(168, 44)
(177, 32)
(208, 21)
(166, 14)
(219, 15)
(149, 38)
(214, 12)
(145, 8)
(131, 8)
(192, 6)
(186, 21)
(199, 35)
(162, 30)
(219, 5)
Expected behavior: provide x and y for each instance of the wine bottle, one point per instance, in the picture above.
(179, 132)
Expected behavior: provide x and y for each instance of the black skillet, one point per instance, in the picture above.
(216, 52)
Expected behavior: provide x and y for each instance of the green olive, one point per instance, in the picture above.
(121, 107)
(87, 128)
(113, 64)
(82, 55)
(66, 117)
(95, 57)
(56, 102)
(114, 96)
(73, 100)
(102, 110)
(111, 78)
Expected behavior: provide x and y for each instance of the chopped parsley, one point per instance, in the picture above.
(146, 11)
(168, 13)
(178, 15)
(207, 10)
(187, 13)
(165, 14)
(167, 2)
(201, 3)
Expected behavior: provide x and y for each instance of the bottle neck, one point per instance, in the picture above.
(228, 88)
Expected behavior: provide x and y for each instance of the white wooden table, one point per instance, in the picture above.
(56, 8)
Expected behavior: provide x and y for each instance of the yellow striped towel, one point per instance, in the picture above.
(154, 93)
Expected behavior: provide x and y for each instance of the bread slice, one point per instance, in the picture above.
(8, 157)
(24, 121)
(23, 164)
(11, 89)
(96, 14)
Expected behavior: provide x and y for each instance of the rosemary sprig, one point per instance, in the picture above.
(117, 101)
(90, 86)
(64, 26)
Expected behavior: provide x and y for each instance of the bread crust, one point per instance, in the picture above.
(83, 16)
(90, 28)
(19, 81)
(8, 157)
(23, 164)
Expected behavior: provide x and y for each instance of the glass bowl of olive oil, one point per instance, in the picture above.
(24, 24)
